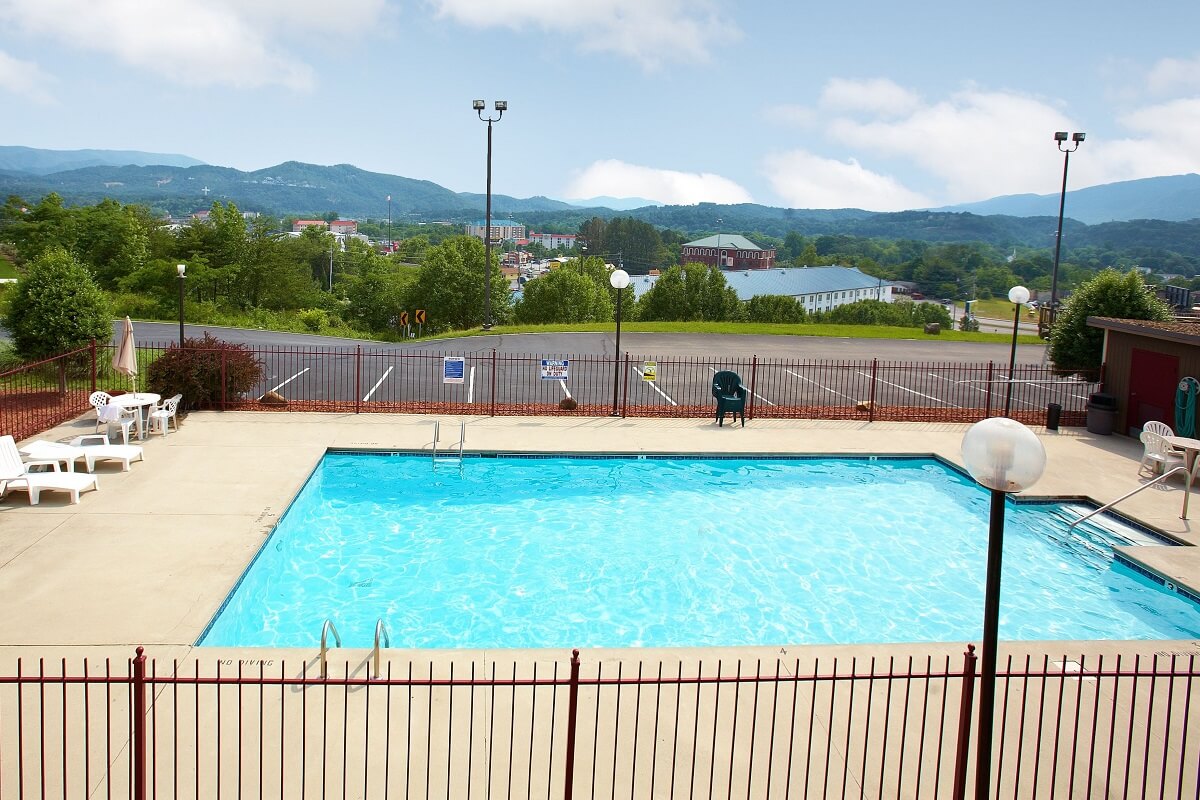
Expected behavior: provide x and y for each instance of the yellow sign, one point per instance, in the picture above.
(649, 370)
(403, 317)
(419, 316)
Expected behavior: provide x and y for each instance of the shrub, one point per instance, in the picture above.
(57, 307)
(313, 319)
(195, 371)
(568, 404)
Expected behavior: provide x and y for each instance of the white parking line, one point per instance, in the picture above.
(910, 391)
(289, 380)
(566, 391)
(378, 383)
(652, 386)
(821, 385)
(756, 394)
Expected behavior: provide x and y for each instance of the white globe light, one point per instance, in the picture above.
(1003, 454)
(1018, 295)
(619, 279)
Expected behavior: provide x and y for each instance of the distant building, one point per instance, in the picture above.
(349, 226)
(501, 230)
(729, 251)
(301, 224)
(514, 258)
(817, 288)
(554, 241)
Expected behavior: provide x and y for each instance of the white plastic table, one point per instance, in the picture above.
(137, 401)
(1191, 449)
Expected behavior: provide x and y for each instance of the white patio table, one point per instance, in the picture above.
(138, 401)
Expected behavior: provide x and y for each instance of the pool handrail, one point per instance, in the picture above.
(437, 428)
(462, 438)
(337, 639)
(1147, 485)
(381, 631)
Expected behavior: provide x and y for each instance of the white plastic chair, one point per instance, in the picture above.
(1161, 428)
(164, 413)
(109, 415)
(1157, 457)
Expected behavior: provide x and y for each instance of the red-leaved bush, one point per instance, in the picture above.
(195, 369)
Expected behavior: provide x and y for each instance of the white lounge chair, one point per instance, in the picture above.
(102, 450)
(15, 474)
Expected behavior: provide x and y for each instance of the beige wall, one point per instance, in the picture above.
(1118, 360)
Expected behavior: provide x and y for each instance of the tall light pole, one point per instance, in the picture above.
(619, 280)
(1060, 137)
(718, 258)
(501, 107)
(1004, 456)
(1018, 295)
(181, 269)
(389, 224)
(582, 255)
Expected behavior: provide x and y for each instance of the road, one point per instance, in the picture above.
(787, 371)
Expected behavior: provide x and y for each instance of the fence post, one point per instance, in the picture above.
(572, 712)
(964, 724)
(93, 349)
(625, 388)
(492, 382)
(871, 400)
(224, 395)
(139, 725)
(988, 412)
(753, 383)
(357, 378)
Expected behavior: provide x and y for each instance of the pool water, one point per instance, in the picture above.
(641, 552)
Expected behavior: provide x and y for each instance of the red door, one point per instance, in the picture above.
(1153, 378)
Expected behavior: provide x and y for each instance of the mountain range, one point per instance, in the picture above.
(1155, 219)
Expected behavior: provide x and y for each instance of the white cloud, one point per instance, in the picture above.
(1165, 141)
(648, 31)
(26, 79)
(877, 95)
(796, 116)
(612, 178)
(195, 42)
(805, 180)
(976, 143)
(1171, 74)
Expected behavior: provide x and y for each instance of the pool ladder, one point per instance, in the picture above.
(381, 635)
(462, 438)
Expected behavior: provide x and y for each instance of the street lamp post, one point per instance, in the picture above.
(501, 107)
(582, 255)
(181, 269)
(1059, 138)
(389, 247)
(619, 280)
(1004, 456)
(1018, 295)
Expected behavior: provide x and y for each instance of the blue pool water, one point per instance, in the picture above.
(618, 552)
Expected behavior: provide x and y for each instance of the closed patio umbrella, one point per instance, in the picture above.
(125, 358)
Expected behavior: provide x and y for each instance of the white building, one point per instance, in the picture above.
(501, 230)
(817, 288)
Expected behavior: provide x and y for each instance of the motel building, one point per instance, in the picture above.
(817, 288)
(502, 230)
(729, 251)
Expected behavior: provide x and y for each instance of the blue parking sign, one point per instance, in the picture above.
(453, 369)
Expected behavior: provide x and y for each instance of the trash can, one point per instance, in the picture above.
(1053, 415)
(1101, 413)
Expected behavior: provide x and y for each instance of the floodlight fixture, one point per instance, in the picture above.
(1059, 136)
(479, 105)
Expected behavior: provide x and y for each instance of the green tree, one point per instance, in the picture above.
(564, 295)
(774, 308)
(450, 286)
(57, 307)
(692, 292)
(1074, 345)
(112, 239)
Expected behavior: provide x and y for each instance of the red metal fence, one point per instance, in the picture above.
(724, 728)
(383, 379)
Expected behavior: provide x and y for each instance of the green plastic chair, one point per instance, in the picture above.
(730, 394)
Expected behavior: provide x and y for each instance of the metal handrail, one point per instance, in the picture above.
(1107, 506)
(325, 631)
(437, 429)
(381, 631)
(462, 438)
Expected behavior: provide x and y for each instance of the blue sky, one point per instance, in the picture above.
(876, 105)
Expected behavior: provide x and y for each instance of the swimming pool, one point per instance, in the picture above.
(542, 551)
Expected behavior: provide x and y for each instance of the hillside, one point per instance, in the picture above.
(37, 161)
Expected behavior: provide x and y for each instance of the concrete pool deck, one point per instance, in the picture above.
(149, 558)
